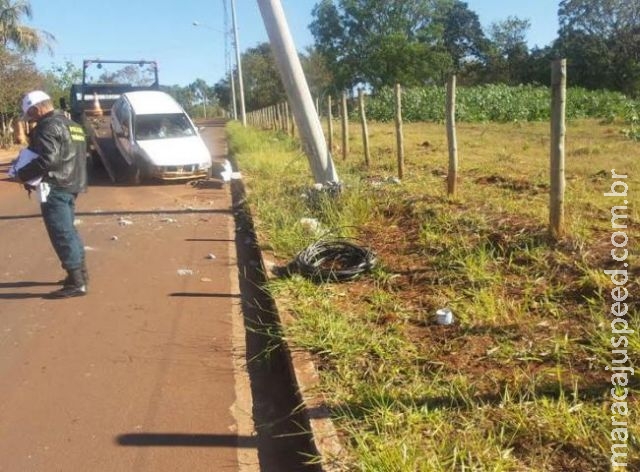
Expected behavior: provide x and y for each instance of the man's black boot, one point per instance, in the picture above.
(85, 275)
(74, 286)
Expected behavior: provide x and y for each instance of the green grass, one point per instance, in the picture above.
(518, 382)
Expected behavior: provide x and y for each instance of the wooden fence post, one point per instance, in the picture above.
(399, 136)
(558, 131)
(365, 129)
(452, 176)
(287, 118)
(330, 123)
(280, 117)
(345, 126)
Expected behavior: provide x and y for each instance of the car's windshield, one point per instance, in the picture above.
(173, 125)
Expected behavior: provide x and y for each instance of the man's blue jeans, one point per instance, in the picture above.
(58, 213)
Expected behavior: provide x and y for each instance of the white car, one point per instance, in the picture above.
(157, 138)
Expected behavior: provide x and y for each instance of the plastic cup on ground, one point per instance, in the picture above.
(444, 316)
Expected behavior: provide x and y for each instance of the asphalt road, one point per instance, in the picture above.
(148, 371)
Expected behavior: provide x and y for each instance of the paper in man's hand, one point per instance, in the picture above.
(25, 156)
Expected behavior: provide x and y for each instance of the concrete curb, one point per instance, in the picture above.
(325, 435)
(303, 370)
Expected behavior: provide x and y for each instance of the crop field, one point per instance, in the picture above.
(521, 381)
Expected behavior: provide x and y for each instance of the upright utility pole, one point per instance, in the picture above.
(243, 114)
(298, 93)
(227, 59)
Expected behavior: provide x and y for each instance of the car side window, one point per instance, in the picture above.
(125, 118)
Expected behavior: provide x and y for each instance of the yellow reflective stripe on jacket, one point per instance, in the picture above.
(77, 133)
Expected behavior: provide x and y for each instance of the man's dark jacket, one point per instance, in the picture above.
(62, 154)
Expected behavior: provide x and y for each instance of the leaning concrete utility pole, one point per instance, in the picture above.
(243, 113)
(297, 90)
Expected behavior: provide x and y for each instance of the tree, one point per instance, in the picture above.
(17, 75)
(202, 99)
(601, 41)
(13, 34)
(381, 42)
(327, 29)
(509, 57)
(60, 78)
(600, 18)
(316, 71)
(262, 84)
(222, 91)
(463, 37)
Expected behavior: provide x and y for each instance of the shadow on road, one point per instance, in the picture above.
(185, 440)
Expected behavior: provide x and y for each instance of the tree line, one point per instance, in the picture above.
(377, 43)
(419, 42)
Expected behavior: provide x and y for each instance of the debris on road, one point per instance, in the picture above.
(183, 272)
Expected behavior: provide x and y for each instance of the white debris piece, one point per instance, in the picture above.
(227, 171)
(114, 238)
(310, 225)
(124, 222)
(211, 256)
(183, 272)
(168, 220)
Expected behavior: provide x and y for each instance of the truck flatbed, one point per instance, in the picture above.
(101, 143)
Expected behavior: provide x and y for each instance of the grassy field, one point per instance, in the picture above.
(518, 382)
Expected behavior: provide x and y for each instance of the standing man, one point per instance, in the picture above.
(61, 163)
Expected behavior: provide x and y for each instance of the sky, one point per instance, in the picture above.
(163, 30)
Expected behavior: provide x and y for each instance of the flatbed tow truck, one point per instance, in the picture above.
(90, 105)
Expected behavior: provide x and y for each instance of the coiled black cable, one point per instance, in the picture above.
(332, 260)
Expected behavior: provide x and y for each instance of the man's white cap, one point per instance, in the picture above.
(33, 98)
